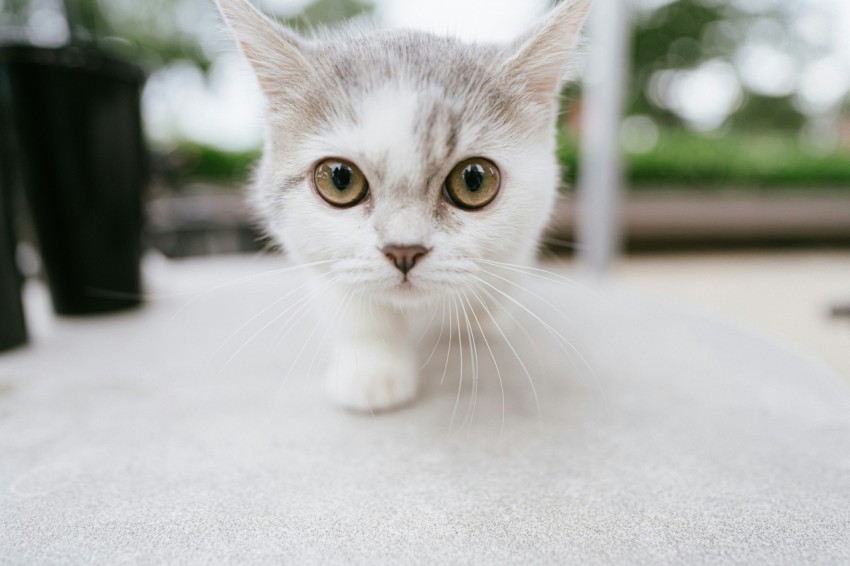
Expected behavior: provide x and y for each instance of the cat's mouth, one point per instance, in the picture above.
(408, 289)
(420, 285)
(406, 286)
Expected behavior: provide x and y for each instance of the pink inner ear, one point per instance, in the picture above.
(272, 50)
(543, 60)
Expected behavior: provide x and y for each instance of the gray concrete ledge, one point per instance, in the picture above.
(684, 218)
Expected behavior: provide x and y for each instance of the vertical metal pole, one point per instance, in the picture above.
(601, 172)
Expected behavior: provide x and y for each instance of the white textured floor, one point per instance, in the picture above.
(788, 296)
(181, 434)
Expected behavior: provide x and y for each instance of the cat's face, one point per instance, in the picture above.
(402, 158)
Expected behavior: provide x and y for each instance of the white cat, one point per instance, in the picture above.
(401, 163)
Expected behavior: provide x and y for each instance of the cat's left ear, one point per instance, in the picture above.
(541, 61)
(275, 52)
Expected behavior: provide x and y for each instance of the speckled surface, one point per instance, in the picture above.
(151, 437)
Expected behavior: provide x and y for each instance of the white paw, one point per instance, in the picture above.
(372, 379)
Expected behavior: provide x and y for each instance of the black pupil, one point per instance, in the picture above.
(341, 177)
(473, 177)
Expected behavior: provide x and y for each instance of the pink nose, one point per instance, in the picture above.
(405, 257)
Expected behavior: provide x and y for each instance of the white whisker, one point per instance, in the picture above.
(301, 351)
(259, 314)
(539, 273)
(547, 302)
(470, 415)
(201, 294)
(301, 311)
(449, 351)
(427, 328)
(519, 324)
(266, 326)
(492, 355)
(551, 330)
(562, 243)
(439, 339)
(341, 311)
(519, 360)
(460, 380)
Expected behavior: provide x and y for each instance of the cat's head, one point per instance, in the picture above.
(406, 156)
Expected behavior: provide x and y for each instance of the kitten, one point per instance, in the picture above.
(403, 161)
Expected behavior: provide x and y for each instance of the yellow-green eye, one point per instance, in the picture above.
(340, 183)
(473, 183)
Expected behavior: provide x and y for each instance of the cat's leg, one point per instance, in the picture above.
(374, 365)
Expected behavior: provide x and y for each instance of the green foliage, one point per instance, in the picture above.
(204, 163)
(686, 33)
(85, 18)
(764, 113)
(150, 31)
(686, 161)
(13, 13)
(668, 38)
(329, 12)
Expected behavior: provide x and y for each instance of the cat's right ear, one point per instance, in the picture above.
(275, 52)
(541, 60)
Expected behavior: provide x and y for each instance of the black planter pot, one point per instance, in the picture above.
(84, 166)
(12, 328)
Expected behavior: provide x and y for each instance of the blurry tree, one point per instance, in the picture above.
(85, 19)
(327, 12)
(669, 38)
(148, 31)
(13, 12)
(156, 32)
(684, 34)
(167, 30)
(759, 113)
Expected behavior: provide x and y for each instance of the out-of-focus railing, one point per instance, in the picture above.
(601, 172)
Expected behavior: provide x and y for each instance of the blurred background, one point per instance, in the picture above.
(735, 135)
(748, 96)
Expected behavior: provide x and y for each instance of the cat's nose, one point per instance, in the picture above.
(405, 257)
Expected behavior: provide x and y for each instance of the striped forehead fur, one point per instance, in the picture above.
(316, 77)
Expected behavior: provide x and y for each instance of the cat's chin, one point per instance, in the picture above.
(407, 295)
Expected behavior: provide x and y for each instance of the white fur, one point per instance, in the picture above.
(374, 368)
